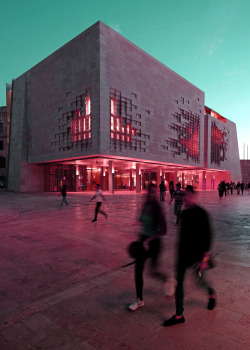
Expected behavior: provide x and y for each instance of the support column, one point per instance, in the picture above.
(204, 180)
(131, 180)
(182, 181)
(77, 178)
(158, 179)
(101, 178)
(138, 178)
(111, 176)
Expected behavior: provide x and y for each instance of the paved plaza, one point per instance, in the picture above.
(63, 285)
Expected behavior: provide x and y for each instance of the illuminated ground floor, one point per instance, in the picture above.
(126, 175)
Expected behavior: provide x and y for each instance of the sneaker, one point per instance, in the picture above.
(172, 321)
(94, 220)
(211, 303)
(138, 303)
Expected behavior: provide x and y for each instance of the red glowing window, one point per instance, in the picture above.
(120, 129)
(81, 124)
(87, 105)
(113, 106)
(118, 123)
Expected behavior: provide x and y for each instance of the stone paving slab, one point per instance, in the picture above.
(63, 285)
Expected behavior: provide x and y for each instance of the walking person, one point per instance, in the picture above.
(64, 195)
(162, 191)
(242, 186)
(220, 189)
(224, 188)
(231, 186)
(171, 189)
(178, 197)
(238, 187)
(153, 227)
(99, 199)
(193, 251)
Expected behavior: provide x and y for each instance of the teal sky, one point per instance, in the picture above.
(205, 41)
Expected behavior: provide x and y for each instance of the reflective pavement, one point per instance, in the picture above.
(63, 285)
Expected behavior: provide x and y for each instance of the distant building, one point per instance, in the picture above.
(245, 170)
(4, 138)
(101, 110)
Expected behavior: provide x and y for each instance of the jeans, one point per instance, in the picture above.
(97, 210)
(64, 200)
(179, 292)
(177, 211)
(153, 254)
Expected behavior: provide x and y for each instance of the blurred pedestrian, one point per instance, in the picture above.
(171, 189)
(178, 198)
(238, 187)
(242, 186)
(162, 191)
(231, 186)
(153, 227)
(193, 251)
(99, 199)
(64, 195)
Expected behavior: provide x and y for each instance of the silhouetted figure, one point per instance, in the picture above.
(171, 189)
(64, 195)
(162, 191)
(238, 187)
(224, 188)
(99, 199)
(193, 251)
(220, 189)
(231, 186)
(153, 227)
(242, 186)
(178, 198)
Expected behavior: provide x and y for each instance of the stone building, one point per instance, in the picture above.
(245, 170)
(4, 137)
(101, 110)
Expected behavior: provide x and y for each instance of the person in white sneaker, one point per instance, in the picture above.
(99, 198)
(153, 227)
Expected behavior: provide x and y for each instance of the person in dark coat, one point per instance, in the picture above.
(193, 251)
(153, 227)
(171, 189)
(162, 191)
(242, 186)
(64, 195)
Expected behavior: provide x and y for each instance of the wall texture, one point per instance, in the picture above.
(165, 109)
(44, 100)
(222, 150)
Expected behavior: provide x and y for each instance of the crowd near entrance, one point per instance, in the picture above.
(120, 175)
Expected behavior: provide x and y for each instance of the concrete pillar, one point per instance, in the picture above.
(182, 181)
(101, 178)
(204, 180)
(77, 178)
(138, 178)
(131, 180)
(111, 176)
(159, 173)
